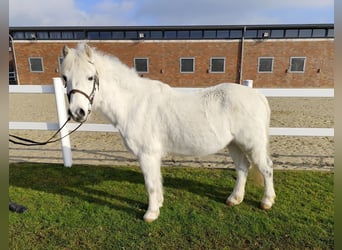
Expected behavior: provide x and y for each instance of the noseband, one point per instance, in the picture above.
(90, 97)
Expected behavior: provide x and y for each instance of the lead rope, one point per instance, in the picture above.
(27, 142)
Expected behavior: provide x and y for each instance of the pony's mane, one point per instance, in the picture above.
(105, 60)
(110, 68)
(129, 77)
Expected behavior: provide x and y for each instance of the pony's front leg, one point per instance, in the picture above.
(150, 166)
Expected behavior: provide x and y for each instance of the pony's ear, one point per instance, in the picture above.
(65, 51)
(88, 51)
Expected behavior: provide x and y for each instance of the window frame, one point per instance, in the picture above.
(147, 64)
(272, 65)
(297, 57)
(42, 64)
(193, 65)
(211, 65)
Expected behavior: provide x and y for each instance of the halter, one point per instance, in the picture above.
(90, 97)
(28, 142)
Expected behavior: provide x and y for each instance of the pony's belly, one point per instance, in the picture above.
(198, 147)
(196, 151)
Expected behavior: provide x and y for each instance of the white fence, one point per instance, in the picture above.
(59, 91)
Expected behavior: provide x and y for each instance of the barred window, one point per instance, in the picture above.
(297, 64)
(36, 64)
(217, 64)
(141, 65)
(265, 65)
(187, 65)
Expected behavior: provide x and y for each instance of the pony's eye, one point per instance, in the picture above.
(90, 78)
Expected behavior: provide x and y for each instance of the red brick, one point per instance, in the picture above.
(165, 55)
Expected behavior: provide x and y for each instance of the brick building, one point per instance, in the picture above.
(284, 56)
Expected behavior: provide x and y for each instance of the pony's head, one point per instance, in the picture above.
(81, 79)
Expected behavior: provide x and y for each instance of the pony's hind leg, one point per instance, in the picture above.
(259, 157)
(241, 164)
(150, 166)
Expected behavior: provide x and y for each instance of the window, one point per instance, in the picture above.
(118, 35)
(222, 34)
(79, 35)
(331, 33)
(43, 35)
(318, 33)
(156, 34)
(67, 35)
(11, 76)
(195, 34)
(305, 33)
(265, 65)
(263, 33)
(217, 64)
(291, 33)
(131, 35)
(235, 34)
(105, 35)
(36, 64)
(55, 35)
(19, 35)
(183, 34)
(297, 64)
(277, 33)
(141, 65)
(144, 35)
(209, 34)
(187, 65)
(170, 34)
(93, 35)
(251, 34)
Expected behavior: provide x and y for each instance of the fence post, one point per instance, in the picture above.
(62, 117)
(248, 83)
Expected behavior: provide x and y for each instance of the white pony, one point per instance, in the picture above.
(155, 120)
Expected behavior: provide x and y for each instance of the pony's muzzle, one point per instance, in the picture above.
(80, 115)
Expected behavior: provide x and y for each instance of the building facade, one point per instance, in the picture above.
(277, 56)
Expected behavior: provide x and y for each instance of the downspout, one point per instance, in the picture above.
(241, 54)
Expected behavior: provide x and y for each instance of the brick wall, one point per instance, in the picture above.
(318, 68)
(164, 59)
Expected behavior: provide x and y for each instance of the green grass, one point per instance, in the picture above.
(101, 207)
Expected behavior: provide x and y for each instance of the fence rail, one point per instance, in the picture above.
(59, 91)
(278, 92)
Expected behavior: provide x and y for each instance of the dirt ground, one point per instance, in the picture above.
(102, 148)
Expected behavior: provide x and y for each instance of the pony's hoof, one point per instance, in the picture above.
(151, 216)
(266, 204)
(233, 201)
(230, 203)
